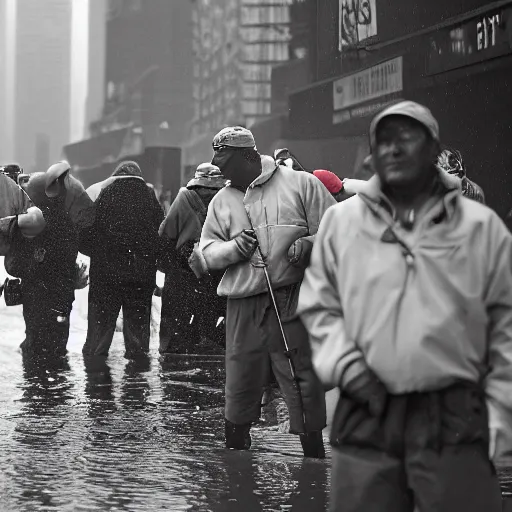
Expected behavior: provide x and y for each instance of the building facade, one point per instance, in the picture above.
(147, 94)
(454, 57)
(237, 43)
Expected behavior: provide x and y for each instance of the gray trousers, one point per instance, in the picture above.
(427, 453)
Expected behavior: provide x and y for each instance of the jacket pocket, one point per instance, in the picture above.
(464, 417)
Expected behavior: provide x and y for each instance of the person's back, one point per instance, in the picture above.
(126, 232)
(190, 305)
(124, 257)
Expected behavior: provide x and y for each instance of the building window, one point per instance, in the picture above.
(257, 91)
(263, 15)
(266, 52)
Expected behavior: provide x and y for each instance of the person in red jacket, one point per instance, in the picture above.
(340, 189)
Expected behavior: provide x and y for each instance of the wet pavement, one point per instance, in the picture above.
(118, 435)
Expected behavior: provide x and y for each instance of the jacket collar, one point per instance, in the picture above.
(449, 195)
(268, 169)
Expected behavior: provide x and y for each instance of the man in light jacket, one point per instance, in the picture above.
(408, 304)
(279, 209)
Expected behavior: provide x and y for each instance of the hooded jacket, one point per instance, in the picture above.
(125, 244)
(282, 206)
(421, 308)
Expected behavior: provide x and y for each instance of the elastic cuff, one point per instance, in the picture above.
(352, 372)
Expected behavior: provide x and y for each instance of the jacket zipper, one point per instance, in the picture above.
(409, 263)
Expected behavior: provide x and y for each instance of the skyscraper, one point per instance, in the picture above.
(47, 77)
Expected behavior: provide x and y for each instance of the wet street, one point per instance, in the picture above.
(128, 436)
(83, 435)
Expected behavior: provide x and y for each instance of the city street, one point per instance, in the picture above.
(129, 436)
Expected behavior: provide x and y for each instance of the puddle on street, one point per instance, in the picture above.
(117, 435)
(96, 434)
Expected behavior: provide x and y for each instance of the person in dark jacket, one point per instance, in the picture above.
(124, 252)
(191, 307)
(46, 265)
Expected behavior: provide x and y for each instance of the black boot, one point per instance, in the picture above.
(313, 445)
(238, 437)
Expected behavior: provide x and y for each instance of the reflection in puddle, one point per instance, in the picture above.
(110, 434)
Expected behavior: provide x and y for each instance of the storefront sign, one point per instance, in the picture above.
(476, 40)
(382, 82)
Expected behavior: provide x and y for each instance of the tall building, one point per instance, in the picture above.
(237, 43)
(87, 64)
(146, 95)
(36, 65)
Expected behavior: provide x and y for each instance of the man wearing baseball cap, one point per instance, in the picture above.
(264, 221)
(408, 304)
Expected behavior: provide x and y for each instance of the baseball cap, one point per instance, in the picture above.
(409, 109)
(234, 137)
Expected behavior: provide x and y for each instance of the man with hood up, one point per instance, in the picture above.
(408, 304)
(46, 264)
(190, 307)
(279, 209)
(124, 251)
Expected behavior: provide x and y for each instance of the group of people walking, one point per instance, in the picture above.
(396, 290)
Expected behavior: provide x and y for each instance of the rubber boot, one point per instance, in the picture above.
(313, 445)
(238, 437)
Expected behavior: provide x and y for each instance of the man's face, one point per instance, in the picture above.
(404, 153)
(221, 157)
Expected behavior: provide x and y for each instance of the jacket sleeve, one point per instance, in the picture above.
(218, 251)
(498, 301)
(336, 359)
(13, 200)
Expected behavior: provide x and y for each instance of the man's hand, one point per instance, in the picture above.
(31, 223)
(300, 252)
(247, 243)
(367, 389)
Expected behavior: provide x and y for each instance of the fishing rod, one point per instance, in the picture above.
(288, 352)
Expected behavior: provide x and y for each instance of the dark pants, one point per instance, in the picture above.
(105, 303)
(190, 310)
(46, 329)
(254, 346)
(428, 450)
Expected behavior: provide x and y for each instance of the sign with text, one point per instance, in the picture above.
(476, 40)
(373, 83)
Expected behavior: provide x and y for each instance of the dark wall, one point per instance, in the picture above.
(401, 17)
(325, 58)
(474, 116)
(159, 34)
(394, 19)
